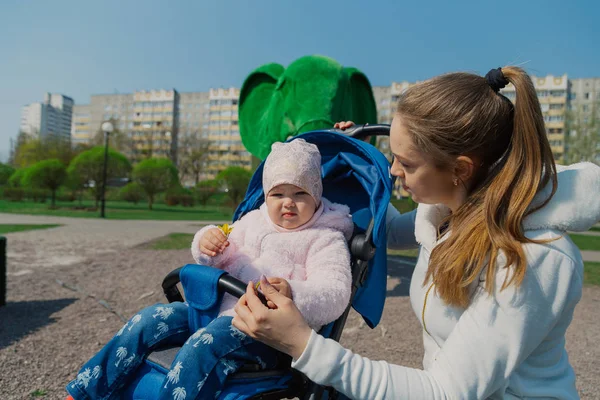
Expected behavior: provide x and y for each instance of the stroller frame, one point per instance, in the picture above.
(361, 249)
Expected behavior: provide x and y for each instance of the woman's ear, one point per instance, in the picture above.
(464, 168)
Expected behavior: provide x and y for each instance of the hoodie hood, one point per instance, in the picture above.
(574, 207)
(576, 204)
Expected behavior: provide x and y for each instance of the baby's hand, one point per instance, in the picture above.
(213, 242)
(282, 287)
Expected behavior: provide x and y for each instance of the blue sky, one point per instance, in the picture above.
(81, 48)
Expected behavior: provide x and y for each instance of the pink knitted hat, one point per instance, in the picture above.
(296, 163)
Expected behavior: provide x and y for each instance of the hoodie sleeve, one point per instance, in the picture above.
(490, 341)
(325, 293)
(400, 229)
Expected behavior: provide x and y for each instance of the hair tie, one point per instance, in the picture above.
(495, 78)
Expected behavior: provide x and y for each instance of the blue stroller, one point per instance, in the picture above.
(354, 173)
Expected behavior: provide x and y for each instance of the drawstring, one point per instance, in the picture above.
(424, 306)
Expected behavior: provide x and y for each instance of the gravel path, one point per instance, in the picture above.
(79, 239)
(48, 331)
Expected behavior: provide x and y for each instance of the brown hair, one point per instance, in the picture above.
(460, 114)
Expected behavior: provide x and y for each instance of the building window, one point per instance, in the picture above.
(586, 95)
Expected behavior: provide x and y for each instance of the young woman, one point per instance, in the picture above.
(497, 279)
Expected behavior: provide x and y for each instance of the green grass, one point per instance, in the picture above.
(8, 228)
(404, 205)
(173, 241)
(591, 273)
(406, 253)
(586, 242)
(39, 393)
(120, 210)
(179, 241)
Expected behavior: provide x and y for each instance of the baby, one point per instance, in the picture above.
(297, 238)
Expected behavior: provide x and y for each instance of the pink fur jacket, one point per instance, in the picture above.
(314, 259)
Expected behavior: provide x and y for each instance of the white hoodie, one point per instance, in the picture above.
(507, 345)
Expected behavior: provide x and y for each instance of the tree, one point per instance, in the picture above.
(155, 175)
(235, 180)
(583, 134)
(16, 179)
(206, 189)
(5, 172)
(31, 149)
(132, 192)
(75, 182)
(90, 164)
(47, 174)
(193, 156)
(118, 140)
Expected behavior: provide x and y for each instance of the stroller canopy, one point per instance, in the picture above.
(358, 175)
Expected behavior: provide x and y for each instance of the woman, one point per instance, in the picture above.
(496, 281)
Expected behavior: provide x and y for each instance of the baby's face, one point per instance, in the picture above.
(289, 206)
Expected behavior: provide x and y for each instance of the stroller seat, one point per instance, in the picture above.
(355, 174)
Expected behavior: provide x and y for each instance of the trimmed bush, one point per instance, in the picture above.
(179, 195)
(132, 193)
(13, 193)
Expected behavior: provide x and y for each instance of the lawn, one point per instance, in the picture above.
(8, 228)
(591, 273)
(120, 210)
(586, 242)
(173, 241)
(414, 253)
(179, 241)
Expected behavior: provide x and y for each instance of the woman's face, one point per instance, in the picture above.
(417, 172)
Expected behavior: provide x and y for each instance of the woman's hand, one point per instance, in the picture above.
(213, 242)
(282, 328)
(343, 125)
(282, 287)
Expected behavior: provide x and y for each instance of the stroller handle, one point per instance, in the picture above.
(226, 283)
(237, 288)
(361, 132)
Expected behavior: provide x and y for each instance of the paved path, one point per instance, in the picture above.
(79, 239)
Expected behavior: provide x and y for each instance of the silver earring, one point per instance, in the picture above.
(455, 181)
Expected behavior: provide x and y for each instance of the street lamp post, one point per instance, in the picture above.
(107, 128)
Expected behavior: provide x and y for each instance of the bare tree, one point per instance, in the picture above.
(193, 156)
(583, 133)
(31, 148)
(119, 140)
